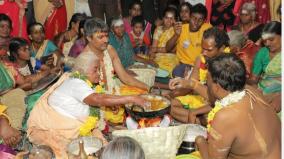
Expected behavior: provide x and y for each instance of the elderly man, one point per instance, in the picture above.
(241, 125)
(245, 49)
(187, 39)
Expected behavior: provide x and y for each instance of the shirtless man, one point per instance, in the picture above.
(97, 35)
(245, 127)
(213, 43)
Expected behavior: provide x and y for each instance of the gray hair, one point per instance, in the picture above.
(83, 62)
(123, 148)
(237, 38)
(251, 8)
(94, 25)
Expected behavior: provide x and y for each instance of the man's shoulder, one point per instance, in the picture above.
(205, 26)
(228, 114)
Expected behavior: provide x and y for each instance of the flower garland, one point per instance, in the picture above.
(94, 116)
(225, 102)
(202, 70)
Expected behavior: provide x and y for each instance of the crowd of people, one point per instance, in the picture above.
(224, 53)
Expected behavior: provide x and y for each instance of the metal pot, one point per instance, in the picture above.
(188, 144)
(138, 112)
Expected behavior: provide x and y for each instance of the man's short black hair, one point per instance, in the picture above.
(220, 36)
(228, 71)
(199, 8)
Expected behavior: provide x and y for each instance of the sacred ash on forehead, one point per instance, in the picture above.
(265, 36)
(38, 27)
(117, 23)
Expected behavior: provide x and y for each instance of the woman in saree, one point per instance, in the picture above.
(266, 71)
(12, 106)
(15, 9)
(80, 42)
(121, 42)
(135, 9)
(248, 24)
(69, 103)
(66, 39)
(5, 35)
(161, 36)
(44, 51)
(52, 14)
(184, 12)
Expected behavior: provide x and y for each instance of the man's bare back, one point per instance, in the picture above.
(258, 127)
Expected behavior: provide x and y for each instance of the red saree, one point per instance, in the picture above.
(247, 54)
(56, 22)
(262, 9)
(16, 13)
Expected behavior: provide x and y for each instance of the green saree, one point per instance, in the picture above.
(269, 83)
(6, 82)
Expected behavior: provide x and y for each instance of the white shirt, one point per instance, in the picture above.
(68, 98)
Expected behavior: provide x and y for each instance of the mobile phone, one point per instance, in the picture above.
(44, 59)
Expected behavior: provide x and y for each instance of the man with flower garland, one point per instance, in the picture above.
(214, 43)
(241, 125)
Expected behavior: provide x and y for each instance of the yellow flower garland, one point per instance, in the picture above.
(88, 126)
(211, 115)
(226, 101)
(202, 70)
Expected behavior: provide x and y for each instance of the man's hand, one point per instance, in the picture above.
(191, 117)
(137, 100)
(178, 83)
(178, 28)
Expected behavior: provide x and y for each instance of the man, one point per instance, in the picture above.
(187, 39)
(242, 125)
(214, 42)
(96, 32)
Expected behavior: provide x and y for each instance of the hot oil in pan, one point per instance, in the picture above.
(157, 103)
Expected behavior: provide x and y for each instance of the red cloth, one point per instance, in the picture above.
(146, 40)
(247, 54)
(12, 9)
(262, 9)
(208, 4)
(56, 22)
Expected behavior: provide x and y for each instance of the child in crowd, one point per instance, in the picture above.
(140, 41)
